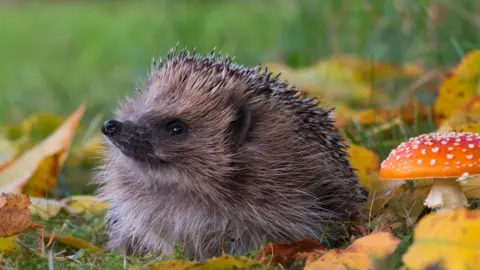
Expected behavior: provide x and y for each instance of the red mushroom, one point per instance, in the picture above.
(445, 157)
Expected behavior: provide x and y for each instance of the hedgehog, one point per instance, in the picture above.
(214, 158)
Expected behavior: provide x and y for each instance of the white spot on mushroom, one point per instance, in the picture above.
(419, 162)
(435, 149)
(463, 178)
(471, 145)
(423, 151)
(468, 157)
(449, 156)
(433, 162)
(450, 148)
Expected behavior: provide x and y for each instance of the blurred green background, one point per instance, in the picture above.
(54, 54)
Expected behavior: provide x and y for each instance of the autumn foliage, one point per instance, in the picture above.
(34, 153)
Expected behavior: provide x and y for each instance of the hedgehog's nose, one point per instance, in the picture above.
(110, 127)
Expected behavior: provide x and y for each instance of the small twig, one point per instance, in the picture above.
(52, 237)
(42, 244)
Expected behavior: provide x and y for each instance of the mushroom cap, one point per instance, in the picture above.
(434, 155)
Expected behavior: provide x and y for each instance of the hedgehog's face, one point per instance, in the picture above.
(149, 140)
(172, 126)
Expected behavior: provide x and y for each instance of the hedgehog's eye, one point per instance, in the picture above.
(176, 128)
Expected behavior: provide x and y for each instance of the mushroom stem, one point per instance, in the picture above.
(446, 194)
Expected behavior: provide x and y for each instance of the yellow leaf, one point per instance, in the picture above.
(465, 118)
(84, 204)
(74, 242)
(89, 153)
(14, 215)
(7, 152)
(367, 165)
(44, 177)
(325, 79)
(45, 208)
(369, 71)
(36, 127)
(359, 254)
(78, 204)
(171, 264)
(449, 238)
(458, 87)
(222, 262)
(8, 243)
(39, 126)
(34, 164)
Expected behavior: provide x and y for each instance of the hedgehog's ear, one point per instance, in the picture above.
(240, 126)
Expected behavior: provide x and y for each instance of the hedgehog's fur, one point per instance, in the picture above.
(259, 163)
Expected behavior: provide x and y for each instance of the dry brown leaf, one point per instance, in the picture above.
(285, 254)
(14, 215)
(33, 173)
(361, 254)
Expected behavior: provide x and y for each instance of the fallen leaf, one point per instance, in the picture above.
(405, 205)
(465, 118)
(222, 262)
(15, 216)
(74, 242)
(85, 204)
(31, 170)
(341, 78)
(226, 262)
(449, 238)
(169, 265)
(36, 127)
(367, 165)
(286, 254)
(7, 152)
(461, 85)
(44, 177)
(8, 243)
(77, 204)
(45, 208)
(89, 153)
(361, 254)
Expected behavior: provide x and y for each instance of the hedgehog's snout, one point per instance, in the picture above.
(111, 127)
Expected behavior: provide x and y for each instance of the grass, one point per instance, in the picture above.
(54, 55)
